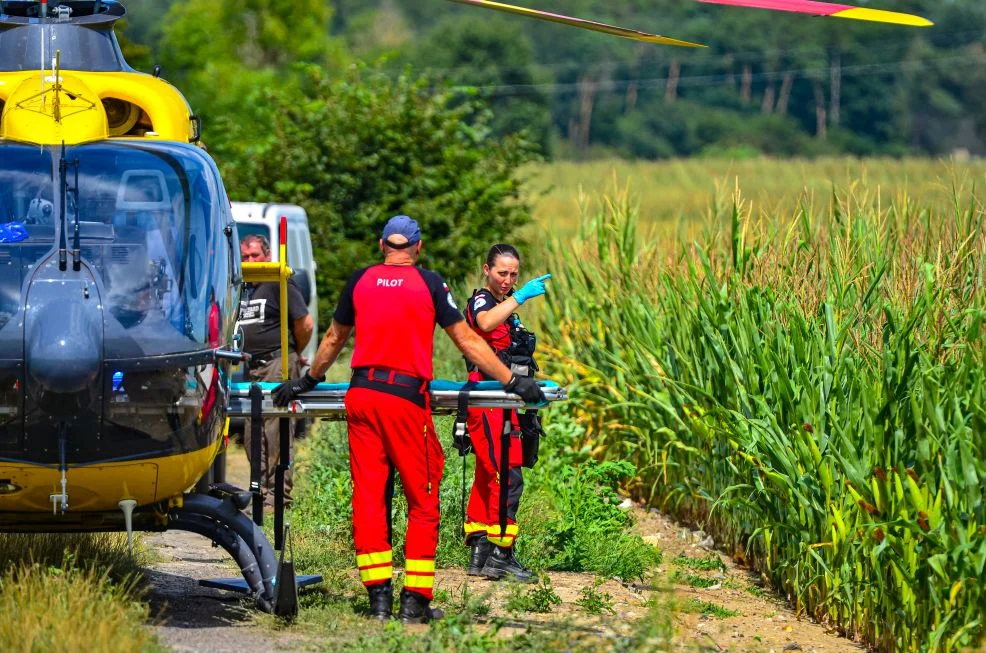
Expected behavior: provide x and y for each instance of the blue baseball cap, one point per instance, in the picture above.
(401, 225)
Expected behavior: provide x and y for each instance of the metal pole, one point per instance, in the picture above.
(257, 433)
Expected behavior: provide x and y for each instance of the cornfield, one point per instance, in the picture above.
(811, 390)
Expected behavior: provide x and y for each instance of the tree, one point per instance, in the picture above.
(494, 55)
(356, 151)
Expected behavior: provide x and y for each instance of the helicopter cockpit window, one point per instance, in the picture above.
(158, 202)
(26, 217)
(82, 48)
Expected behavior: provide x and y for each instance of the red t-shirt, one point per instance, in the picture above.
(394, 309)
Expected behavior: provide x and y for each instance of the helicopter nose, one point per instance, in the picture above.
(64, 347)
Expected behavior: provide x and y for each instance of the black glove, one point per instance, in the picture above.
(527, 388)
(285, 393)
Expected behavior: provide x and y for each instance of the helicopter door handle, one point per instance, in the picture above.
(231, 355)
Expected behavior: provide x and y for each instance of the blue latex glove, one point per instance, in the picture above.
(531, 289)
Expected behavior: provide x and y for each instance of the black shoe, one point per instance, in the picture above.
(503, 564)
(416, 609)
(381, 600)
(481, 548)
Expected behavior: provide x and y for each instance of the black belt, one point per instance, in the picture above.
(390, 382)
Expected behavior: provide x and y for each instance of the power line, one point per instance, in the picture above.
(718, 79)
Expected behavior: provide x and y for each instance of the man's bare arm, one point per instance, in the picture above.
(477, 351)
(328, 350)
(302, 329)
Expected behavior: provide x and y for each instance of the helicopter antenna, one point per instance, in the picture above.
(76, 237)
(63, 182)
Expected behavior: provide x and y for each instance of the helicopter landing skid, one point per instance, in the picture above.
(222, 522)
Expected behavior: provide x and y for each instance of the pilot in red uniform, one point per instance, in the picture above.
(491, 315)
(394, 307)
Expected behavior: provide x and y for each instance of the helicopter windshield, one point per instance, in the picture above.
(150, 217)
(82, 48)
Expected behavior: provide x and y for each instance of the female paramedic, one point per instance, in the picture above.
(491, 314)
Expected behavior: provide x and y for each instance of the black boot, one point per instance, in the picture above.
(481, 548)
(416, 609)
(381, 600)
(503, 564)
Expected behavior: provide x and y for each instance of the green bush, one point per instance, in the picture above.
(358, 150)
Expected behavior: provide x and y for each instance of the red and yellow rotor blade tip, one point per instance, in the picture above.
(833, 10)
(579, 22)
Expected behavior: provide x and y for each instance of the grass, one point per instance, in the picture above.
(807, 385)
(72, 593)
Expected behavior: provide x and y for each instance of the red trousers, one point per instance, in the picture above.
(483, 514)
(386, 433)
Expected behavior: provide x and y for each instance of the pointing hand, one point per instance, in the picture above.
(531, 289)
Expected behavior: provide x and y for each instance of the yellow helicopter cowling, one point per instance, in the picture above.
(30, 116)
(94, 488)
(53, 111)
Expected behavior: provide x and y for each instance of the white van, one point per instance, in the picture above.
(263, 219)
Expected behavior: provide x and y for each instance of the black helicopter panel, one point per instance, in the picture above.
(119, 351)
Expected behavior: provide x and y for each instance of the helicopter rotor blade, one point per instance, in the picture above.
(579, 22)
(816, 8)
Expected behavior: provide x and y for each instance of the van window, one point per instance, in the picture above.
(298, 254)
(245, 229)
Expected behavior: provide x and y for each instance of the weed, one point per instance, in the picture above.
(712, 562)
(707, 608)
(593, 601)
(692, 580)
(538, 599)
(756, 591)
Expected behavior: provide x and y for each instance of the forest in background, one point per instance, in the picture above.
(769, 83)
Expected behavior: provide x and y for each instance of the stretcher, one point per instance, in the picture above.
(327, 399)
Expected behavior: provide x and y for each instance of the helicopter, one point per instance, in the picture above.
(120, 279)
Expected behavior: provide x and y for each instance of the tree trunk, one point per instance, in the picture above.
(821, 129)
(587, 92)
(835, 101)
(767, 107)
(631, 97)
(746, 90)
(674, 74)
(785, 96)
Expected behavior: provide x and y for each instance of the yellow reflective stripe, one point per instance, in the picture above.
(511, 531)
(421, 566)
(475, 527)
(376, 573)
(367, 559)
(502, 541)
(419, 582)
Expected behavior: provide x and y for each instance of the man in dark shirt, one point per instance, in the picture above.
(260, 317)
(394, 307)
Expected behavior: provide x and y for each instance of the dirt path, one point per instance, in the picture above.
(714, 605)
